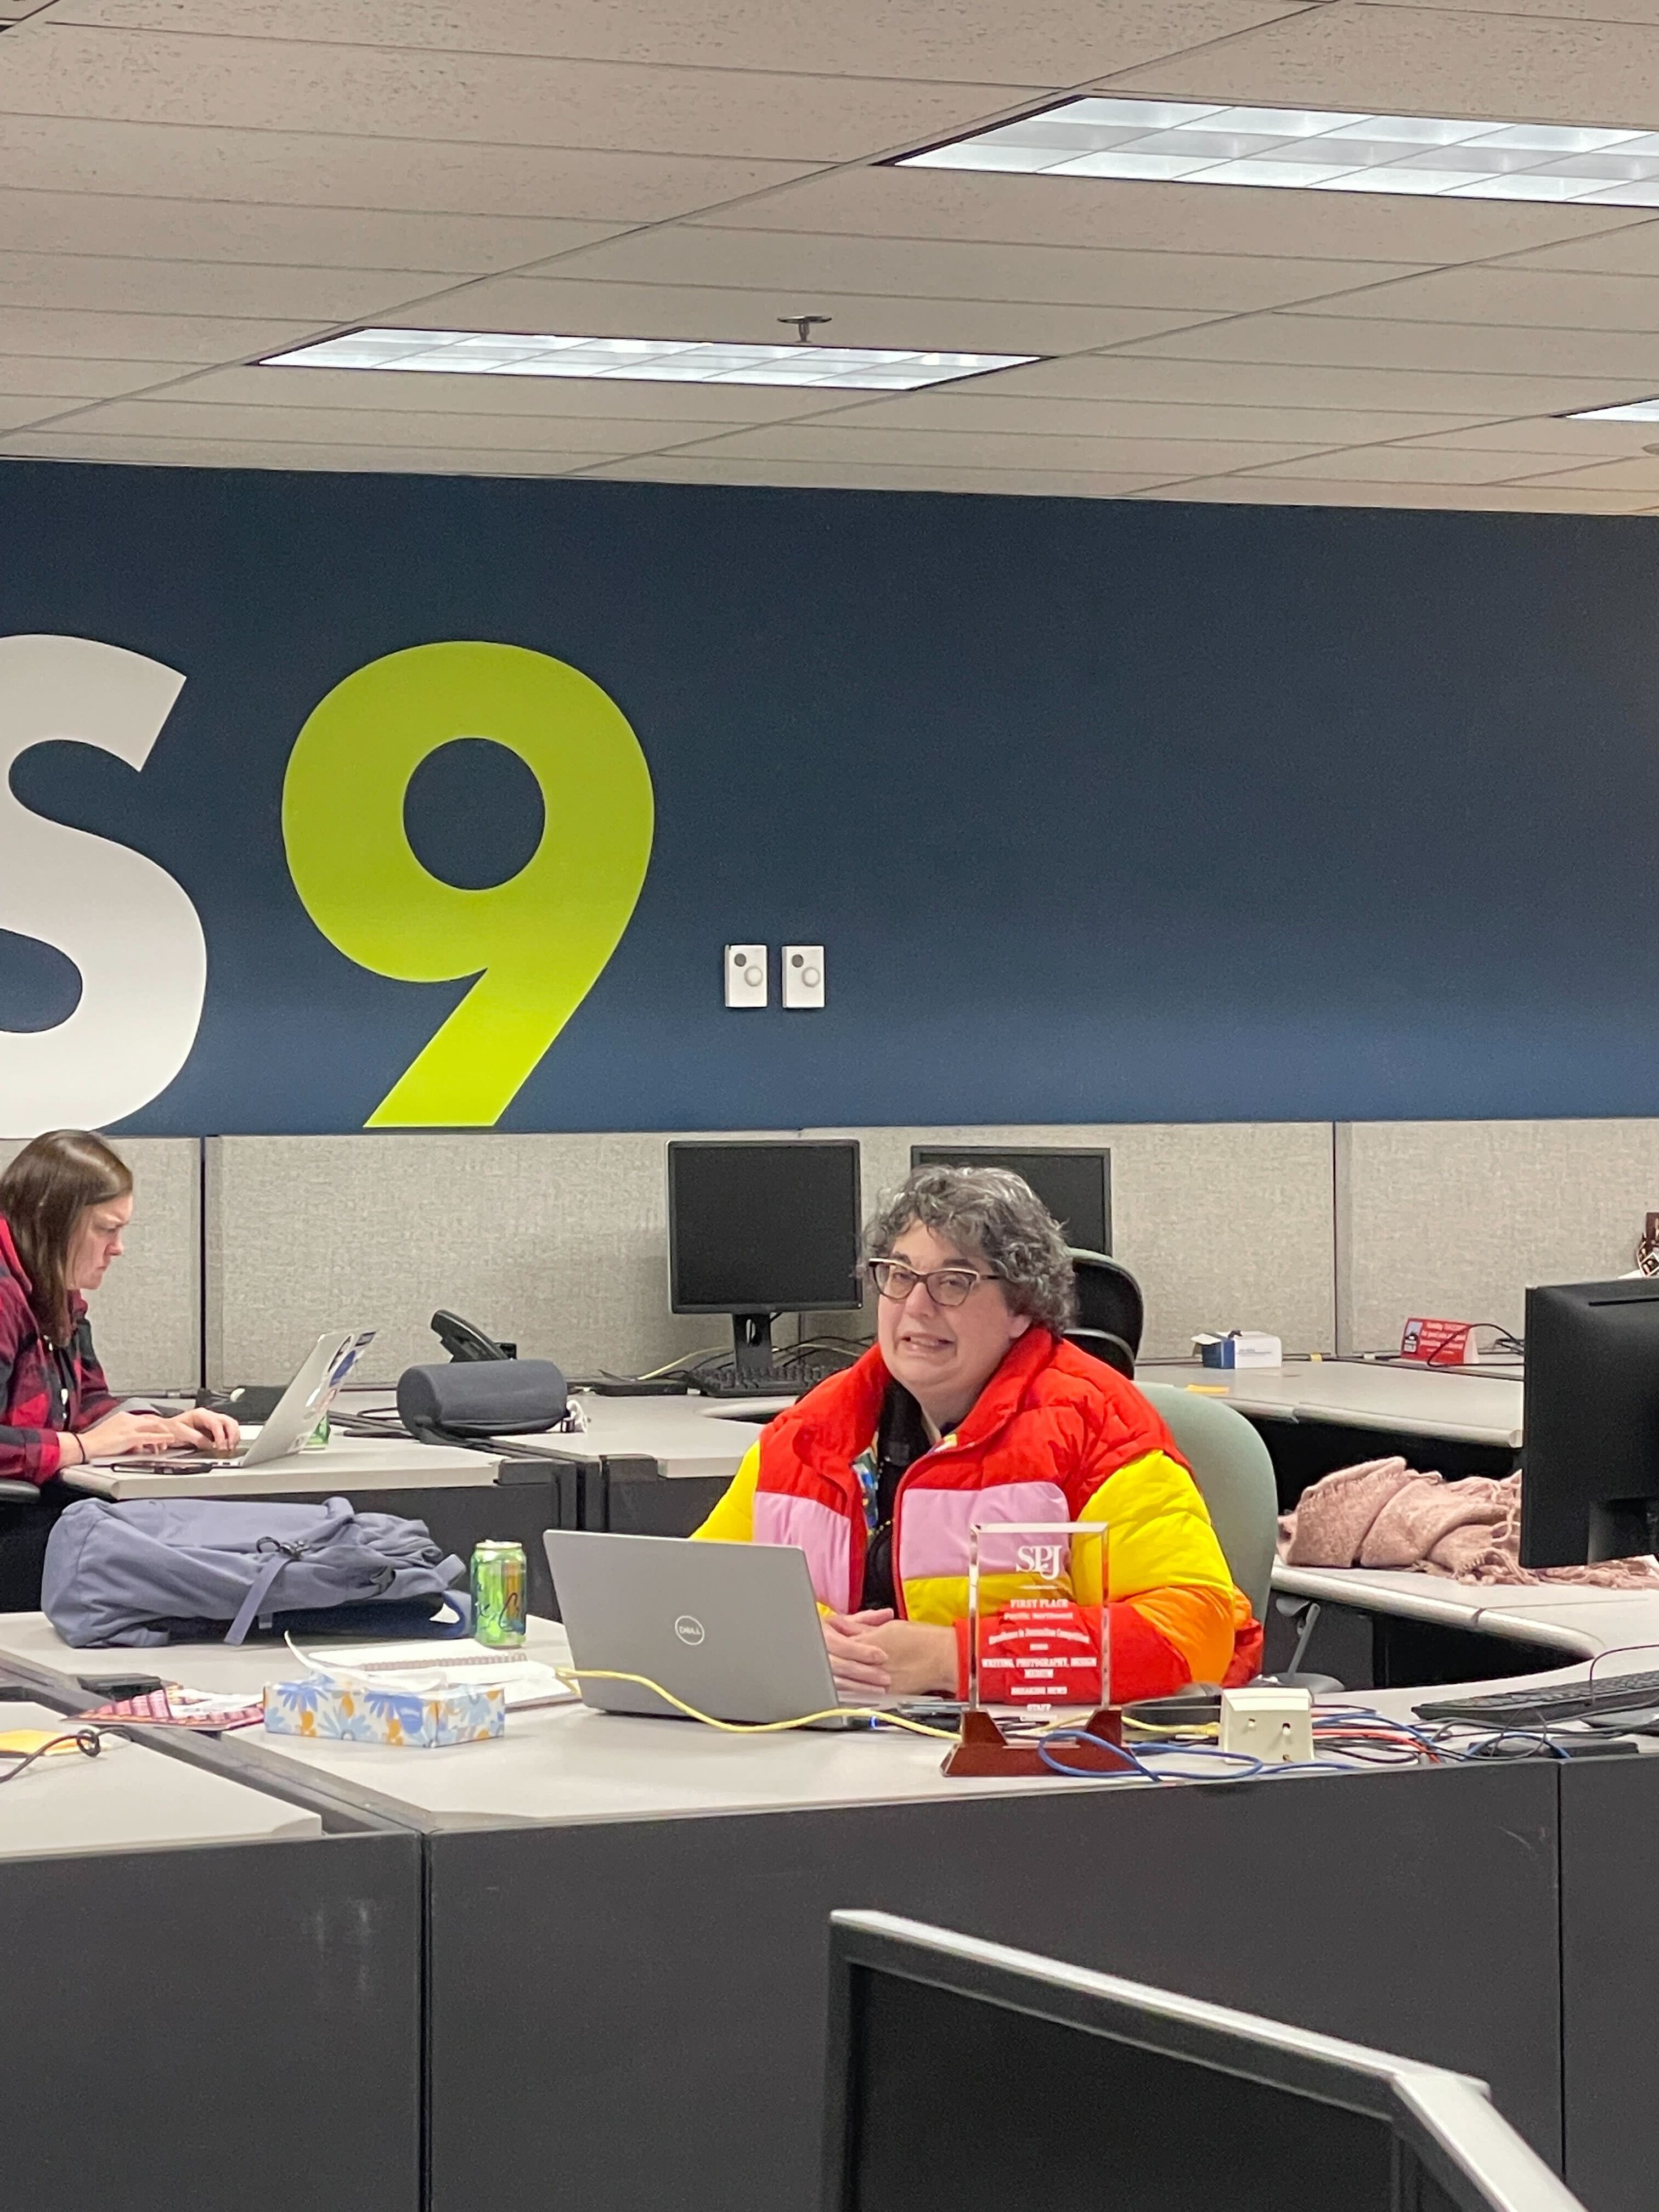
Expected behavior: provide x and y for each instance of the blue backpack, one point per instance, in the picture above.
(183, 1570)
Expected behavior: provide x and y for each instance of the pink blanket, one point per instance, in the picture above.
(1380, 1514)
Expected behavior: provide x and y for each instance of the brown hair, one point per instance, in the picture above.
(43, 1194)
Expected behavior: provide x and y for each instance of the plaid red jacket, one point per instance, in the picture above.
(42, 1390)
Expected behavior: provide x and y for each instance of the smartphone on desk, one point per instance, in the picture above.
(165, 1462)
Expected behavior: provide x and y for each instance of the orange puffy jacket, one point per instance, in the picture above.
(1053, 1436)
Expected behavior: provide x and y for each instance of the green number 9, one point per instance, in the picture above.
(537, 943)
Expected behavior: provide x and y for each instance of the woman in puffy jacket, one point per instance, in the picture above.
(66, 1202)
(970, 1409)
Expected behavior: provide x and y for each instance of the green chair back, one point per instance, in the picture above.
(1231, 1466)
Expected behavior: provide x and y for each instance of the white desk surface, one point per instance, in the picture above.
(561, 1763)
(566, 1764)
(129, 1798)
(686, 1436)
(1620, 1628)
(1577, 1619)
(1483, 1405)
(357, 1463)
(707, 1437)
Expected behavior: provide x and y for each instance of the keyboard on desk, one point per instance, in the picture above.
(1545, 1707)
(723, 1379)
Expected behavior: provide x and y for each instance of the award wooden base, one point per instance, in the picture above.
(985, 1750)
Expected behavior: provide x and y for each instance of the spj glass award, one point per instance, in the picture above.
(1039, 1642)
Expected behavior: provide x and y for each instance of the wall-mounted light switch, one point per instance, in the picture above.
(803, 975)
(746, 975)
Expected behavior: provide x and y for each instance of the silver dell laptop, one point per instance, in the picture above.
(731, 1628)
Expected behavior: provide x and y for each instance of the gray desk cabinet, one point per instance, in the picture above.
(1610, 1980)
(191, 2030)
(669, 1975)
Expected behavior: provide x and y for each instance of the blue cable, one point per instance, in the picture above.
(1088, 1773)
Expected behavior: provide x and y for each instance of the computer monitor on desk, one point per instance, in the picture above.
(1590, 1487)
(1076, 1186)
(755, 1229)
(964, 2077)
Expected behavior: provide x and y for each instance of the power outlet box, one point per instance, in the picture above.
(1273, 1724)
(746, 975)
(803, 975)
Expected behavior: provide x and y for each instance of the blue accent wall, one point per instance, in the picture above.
(1103, 811)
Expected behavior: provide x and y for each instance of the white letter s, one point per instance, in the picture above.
(128, 926)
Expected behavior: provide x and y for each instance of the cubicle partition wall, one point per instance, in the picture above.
(243, 1248)
(1456, 1218)
(559, 1242)
(149, 1316)
(556, 1243)
(1228, 1224)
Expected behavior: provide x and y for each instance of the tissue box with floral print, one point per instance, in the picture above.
(320, 1706)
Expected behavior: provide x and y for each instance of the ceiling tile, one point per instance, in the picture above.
(92, 281)
(1342, 341)
(1042, 42)
(1092, 211)
(1516, 298)
(980, 409)
(1424, 61)
(671, 468)
(148, 337)
(1640, 472)
(109, 224)
(1548, 433)
(1599, 11)
(1419, 464)
(184, 417)
(1149, 458)
(485, 99)
(15, 410)
(1295, 384)
(201, 453)
(546, 397)
(1631, 251)
(803, 264)
(1478, 499)
(573, 308)
(305, 169)
(87, 378)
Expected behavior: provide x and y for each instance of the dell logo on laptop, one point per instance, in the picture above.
(690, 1629)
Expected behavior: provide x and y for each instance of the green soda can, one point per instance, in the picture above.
(498, 1593)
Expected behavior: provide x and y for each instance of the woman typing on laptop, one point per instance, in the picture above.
(66, 1202)
(971, 1408)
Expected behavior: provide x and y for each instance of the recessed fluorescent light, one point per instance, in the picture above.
(655, 361)
(1316, 149)
(1639, 410)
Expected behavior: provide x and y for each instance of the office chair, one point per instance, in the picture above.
(1110, 1311)
(1235, 1475)
(1231, 1466)
(26, 1522)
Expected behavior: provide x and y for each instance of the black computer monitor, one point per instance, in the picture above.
(967, 2078)
(1590, 1489)
(755, 1229)
(1075, 1186)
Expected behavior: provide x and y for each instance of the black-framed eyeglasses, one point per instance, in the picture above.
(946, 1287)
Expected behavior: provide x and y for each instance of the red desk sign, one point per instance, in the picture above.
(1438, 1343)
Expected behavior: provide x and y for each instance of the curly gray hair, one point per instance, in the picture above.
(996, 1216)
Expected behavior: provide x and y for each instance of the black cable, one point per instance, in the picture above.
(84, 1740)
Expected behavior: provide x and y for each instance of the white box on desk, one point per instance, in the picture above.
(1239, 1347)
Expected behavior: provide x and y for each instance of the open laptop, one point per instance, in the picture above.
(296, 1415)
(731, 1628)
